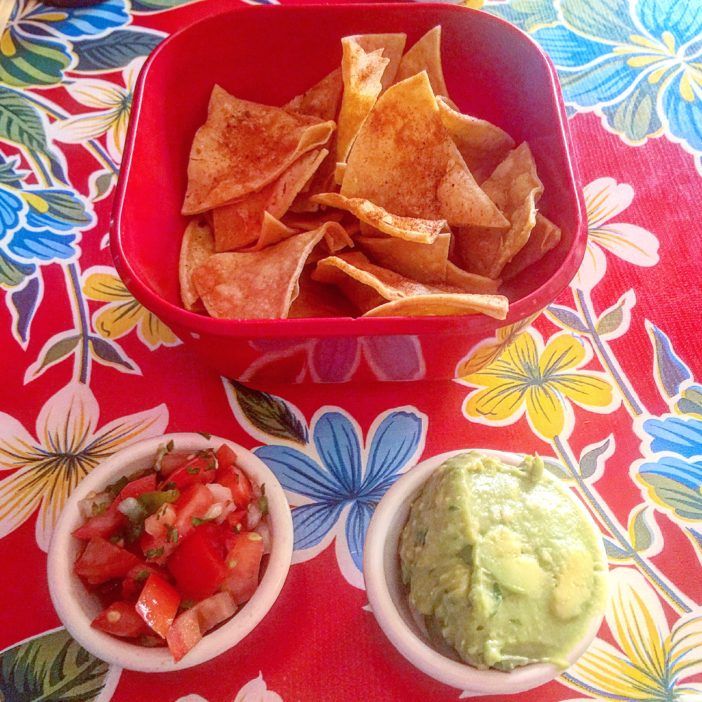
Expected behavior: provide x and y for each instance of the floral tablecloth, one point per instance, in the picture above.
(86, 370)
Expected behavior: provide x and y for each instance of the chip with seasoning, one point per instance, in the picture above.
(425, 55)
(404, 161)
(392, 286)
(197, 247)
(256, 284)
(240, 224)
(516, 187)
(243, 146)
(371, 193)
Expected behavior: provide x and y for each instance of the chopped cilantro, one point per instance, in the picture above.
(173, 535)
(141, 575)
(192, 470)
(115, 488)
(154, 552)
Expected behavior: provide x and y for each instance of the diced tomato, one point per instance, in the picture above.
(216, 535)
(104, 525)
(135, 579)
(243, 564)
(156, 549)
(120, 619)
(225, 456)
(196, 470)
(173, 460)
(237, 519)
(235, 479)
(193, 502)
(158, 604)
(135, 488)
(183, 634)
(214, 610)
(189, 627)
(197, 565)
(101, 561)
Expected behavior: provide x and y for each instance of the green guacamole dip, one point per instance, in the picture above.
(502, 563)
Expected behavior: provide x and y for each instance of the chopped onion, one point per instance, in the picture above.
(131, 509)
(220, 493)
(94, 503)
(264, 531)
(157, 524)
(253, 516)
(214, 511)
(228, 507)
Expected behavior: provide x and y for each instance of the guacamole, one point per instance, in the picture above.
(502, 563)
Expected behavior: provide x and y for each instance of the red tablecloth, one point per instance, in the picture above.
(87, 370)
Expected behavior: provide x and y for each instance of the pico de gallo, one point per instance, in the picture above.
(173, 550)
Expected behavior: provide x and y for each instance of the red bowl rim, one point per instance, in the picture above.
(477, 324)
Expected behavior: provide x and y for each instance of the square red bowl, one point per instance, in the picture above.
(269, 54)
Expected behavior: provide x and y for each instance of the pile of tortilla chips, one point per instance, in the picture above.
(370, 194)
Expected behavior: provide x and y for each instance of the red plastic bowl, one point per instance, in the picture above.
(270, 54)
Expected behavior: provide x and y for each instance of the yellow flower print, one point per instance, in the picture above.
(487, 351)
(650, 660)
(539, 381)
(122, 313)
(114, 104)
(67, 445)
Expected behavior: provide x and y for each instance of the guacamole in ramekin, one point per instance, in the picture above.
(502, 562)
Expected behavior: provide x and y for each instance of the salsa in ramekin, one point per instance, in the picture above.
(173, 550)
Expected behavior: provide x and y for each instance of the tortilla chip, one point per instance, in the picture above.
(242, 147)
(482, 144)
(319, 300)
(425, 55)
(408, 228)
(361, 296)
(255, 285)
(308, 221)
(366, 230)
(197, 247)
(544, 236)
(443, 305)
(515, 187)
(362, 73)
(336, 237)
(392, 46)
(425, 263)
(393, 286)
(321, 100)
(470, 282)
(272, 232)
(404, 161)
(339, 171)
(241, 223)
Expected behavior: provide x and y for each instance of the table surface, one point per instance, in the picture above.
(86, 370)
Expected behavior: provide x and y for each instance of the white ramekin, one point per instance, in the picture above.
(388, 597)
(76, 607)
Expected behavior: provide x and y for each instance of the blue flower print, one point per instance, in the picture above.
(39, 224)
(637, 63)
(336, 483)
(672, 473)
(35, 44)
